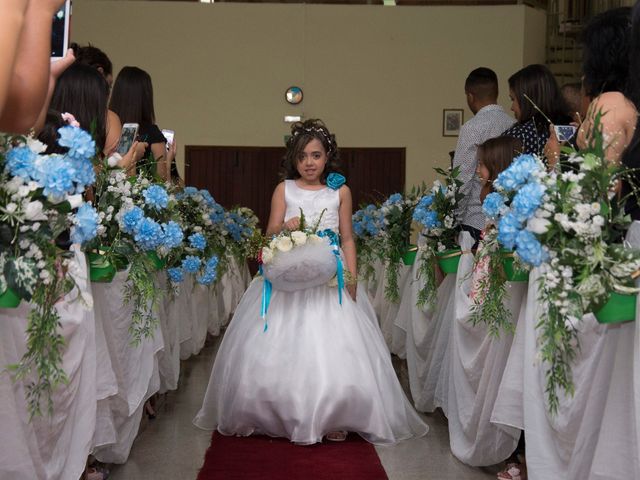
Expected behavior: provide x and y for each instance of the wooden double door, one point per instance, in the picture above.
(247, 176)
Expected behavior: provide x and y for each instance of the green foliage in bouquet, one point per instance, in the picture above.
(437, 214)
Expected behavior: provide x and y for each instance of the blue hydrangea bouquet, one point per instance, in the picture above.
(436, 213)
(42, 212)
(368, 225)
(570, 223)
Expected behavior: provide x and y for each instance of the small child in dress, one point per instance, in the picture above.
(322, 368)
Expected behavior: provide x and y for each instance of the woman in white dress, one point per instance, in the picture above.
(322, 367)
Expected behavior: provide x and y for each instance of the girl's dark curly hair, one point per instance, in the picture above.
(301, 134)
(606, 44)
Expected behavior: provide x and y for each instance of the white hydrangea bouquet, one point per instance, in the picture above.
(42, 212)
(298, 259)
(436, 213)
(571, 224)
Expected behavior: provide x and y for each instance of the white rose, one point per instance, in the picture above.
(11, 208)
(313, 238)
(272, 243)
(33, 211)
(267, 255)
(284, 244)
(299, 238)
(75, 200)
(14, 184)
(113, 159)
(538, 225)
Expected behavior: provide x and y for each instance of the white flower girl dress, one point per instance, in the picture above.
(320, 367)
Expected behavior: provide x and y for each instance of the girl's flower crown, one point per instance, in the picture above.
(315, 130)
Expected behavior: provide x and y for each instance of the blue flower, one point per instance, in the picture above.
(335, 181)
(85, 226)
(84, 174)
(80, 144)
(508, 228)
(208, 198)
(493, 203)
(191, 263)
(148, 234)
(156, 197)
(131, 218)
(190, 191)
(176, 275)
(217, 215)
(210, 272)
(518, 173)
(425, 201)
(529, 249)
(197, 241)
(527, 200)
(55, 174)
(394, 199)
(21, 162)
(171, 234)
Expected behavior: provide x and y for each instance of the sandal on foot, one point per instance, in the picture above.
(337, 436)
(514, 471)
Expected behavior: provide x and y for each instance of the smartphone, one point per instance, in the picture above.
(564, 132)
(60, 31)
(127, 137)
(168, 134)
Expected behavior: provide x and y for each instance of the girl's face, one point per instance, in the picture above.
(483, 173)
(311, 162)
(515, 106)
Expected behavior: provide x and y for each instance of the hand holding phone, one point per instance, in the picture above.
(169, 135)
(60, 31)
(127, 137)
(564, 133)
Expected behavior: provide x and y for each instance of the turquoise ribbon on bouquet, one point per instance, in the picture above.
(334, 241)
(266, 298)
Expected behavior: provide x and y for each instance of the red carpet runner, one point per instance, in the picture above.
(264, 458)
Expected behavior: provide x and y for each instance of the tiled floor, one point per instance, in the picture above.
(170, 447)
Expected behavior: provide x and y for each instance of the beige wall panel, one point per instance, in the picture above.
(378, 76)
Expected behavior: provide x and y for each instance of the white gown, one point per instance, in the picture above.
(319, 367)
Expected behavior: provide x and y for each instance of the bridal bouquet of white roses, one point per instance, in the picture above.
(298, 259)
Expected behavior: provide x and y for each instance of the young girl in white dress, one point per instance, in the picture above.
(322, 367)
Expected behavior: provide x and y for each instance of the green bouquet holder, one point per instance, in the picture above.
(158, 263)
(101, 270)
(120, 261)
(449, 260)
(619, 308)
(409, 257)
(511, 273)
(9, 299)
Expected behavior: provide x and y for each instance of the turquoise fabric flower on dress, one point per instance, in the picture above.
(335, 181)
(85, 226)
(156, 197)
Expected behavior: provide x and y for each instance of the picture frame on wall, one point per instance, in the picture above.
(452, 120)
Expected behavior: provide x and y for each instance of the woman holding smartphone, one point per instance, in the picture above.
(132, 101)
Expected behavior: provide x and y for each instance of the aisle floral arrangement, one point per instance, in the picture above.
(436, 214)
(368, 225)
(570, 224)
(41, 203)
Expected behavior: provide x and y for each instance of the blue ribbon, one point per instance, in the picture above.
(334, 240)
(266, 298)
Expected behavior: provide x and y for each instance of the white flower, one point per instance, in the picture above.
(75, 200)
(299, 238)
(284, 244)
(35, 226)
(114, 159)
(313, 238)
(33, 211)
(267, 255)
(36, 146)
(538, 225)
(598, 220)
(272, 243)
(11, 208)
